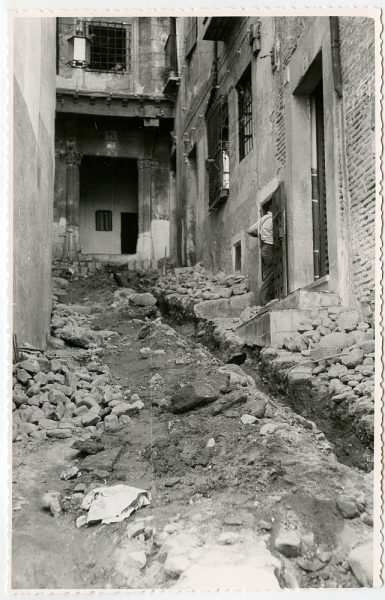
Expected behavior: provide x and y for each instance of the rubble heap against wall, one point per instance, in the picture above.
(328, 366)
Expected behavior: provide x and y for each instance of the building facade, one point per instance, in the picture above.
(278, 114)
(33, 176)
(113, 137)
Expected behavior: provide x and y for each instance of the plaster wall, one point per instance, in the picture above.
(33, 176)
(146, 73)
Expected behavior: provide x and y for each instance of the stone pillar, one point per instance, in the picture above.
(73, 158)
(144, 247)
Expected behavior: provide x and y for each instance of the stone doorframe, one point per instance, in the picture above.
(315, 40)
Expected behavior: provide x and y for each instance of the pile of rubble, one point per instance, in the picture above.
(57, 396)
(332, 357)
(197, 283)
(217, 303)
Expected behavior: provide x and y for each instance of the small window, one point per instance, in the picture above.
(238, 256)
(110, 46)
(103, 220)
(245, 114)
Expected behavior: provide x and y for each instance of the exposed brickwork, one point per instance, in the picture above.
(357, 58)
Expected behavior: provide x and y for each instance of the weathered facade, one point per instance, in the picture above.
(33, 176)
(278, 114)
(113, 123)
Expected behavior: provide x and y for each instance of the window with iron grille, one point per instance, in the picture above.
(217, 123)
(245, 114)
(110, 46)
(191, 35)
(103, 220)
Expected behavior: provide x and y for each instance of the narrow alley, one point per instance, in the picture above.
(195, 364)
(236, 479)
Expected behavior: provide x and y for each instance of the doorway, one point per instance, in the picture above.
(108, 190)
(128, 232)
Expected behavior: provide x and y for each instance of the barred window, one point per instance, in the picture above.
(217, 122)
(103, 220)
(110, 46)
(245, 114)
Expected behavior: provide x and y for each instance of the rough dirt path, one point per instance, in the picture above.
(253, 485)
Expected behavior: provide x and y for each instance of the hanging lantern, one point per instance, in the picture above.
(79, 51)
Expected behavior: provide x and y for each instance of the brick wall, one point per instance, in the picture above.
(357, 60)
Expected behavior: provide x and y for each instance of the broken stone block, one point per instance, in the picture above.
(248, 419)
(145, 299)
(19, 397)
(175, 565)
(56, 396)
(347, 320)
(225, 401)
(353, 358)
(347, 507)
(22, 375)
(78, 336)
(31, 365)
(288, 543)
(27, 427)
(90, 418)
(69, 473)
(124, 420)
(145, 352)
(36, 415)
(360, 560)
(256, 406)
(59, 433)
(198, 393)
(51, 500)
(111, 422)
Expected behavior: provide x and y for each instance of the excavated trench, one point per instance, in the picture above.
(347, 446)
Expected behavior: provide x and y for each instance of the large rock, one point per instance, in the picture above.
(353, 358)
(145, 299)
(226, 401)
(360, 560)
(347, 320)
(31, 365)
(337, 340)
(198, 393)
(78, 336)
(288, 543)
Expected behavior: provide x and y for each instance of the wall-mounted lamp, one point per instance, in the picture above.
(79, 48)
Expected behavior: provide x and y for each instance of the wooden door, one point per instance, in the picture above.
(279, 236)
(129, 232)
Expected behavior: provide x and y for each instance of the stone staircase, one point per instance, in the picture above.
(280, 318)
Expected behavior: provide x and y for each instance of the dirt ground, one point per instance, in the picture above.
(246, 483)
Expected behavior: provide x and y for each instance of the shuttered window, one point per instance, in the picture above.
(245, 114)
(217, 123)
(103, 220)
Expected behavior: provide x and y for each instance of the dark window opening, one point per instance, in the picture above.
(217, 122)
(110, 46)
(238, 257)
(245, 114)
(103, 220)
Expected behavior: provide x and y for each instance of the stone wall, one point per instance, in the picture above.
(33, 176)
(357, 58)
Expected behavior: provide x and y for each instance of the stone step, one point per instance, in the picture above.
(272, 327)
